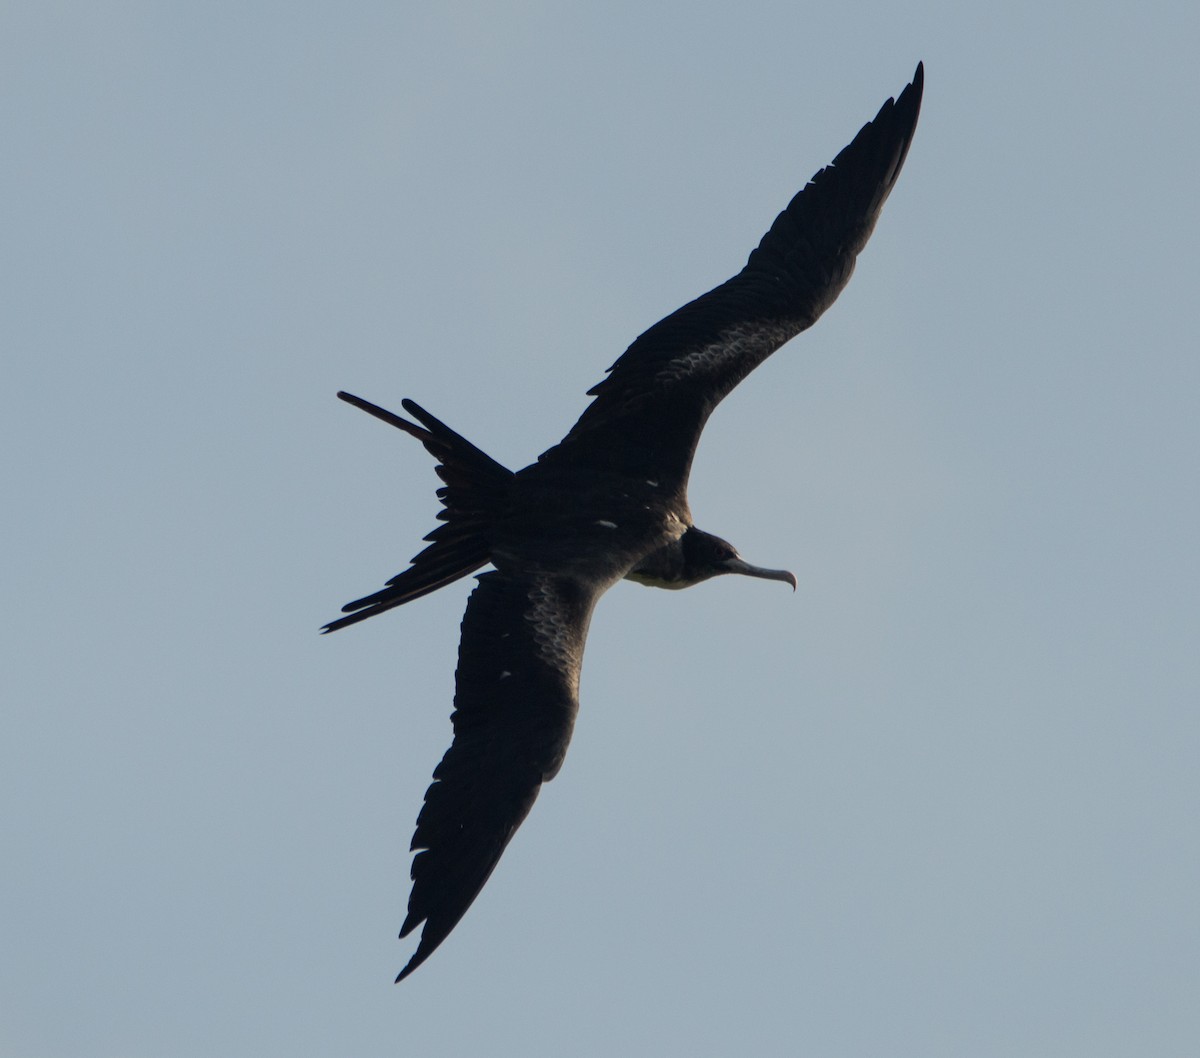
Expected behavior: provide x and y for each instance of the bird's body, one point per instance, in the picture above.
(608, 502)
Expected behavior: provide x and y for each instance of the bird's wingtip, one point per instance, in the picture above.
(918, 81)
(419, 956)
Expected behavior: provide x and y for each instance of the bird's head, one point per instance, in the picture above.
(705, 556)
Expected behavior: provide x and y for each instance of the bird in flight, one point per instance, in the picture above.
(608, 502)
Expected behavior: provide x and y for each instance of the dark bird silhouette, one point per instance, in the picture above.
(608, 502)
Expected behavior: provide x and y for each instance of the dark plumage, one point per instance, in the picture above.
(608, 502)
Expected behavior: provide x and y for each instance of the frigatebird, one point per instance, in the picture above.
(608, 502)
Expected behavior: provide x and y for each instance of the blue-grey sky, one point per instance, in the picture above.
(941, 801)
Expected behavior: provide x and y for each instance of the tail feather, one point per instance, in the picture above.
(476, 488)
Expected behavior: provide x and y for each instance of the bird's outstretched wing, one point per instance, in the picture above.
(515, 702)
(648, 412)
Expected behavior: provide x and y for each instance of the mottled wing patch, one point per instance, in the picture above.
(555, 624)
(736, 350)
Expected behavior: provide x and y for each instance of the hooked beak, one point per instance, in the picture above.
(740, 565)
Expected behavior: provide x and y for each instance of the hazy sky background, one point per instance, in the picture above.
(940, 802)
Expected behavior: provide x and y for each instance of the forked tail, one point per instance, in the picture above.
(475, 492)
